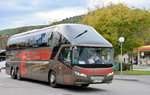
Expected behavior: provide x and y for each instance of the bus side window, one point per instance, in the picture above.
(60, 57)
(50, 39)
(58, 40)
(63, 56)
(55, 50)
(11, 45)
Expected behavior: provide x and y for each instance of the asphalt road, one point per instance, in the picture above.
(10, 86)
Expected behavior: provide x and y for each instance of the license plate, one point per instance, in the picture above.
(97, 81)
(97, 77)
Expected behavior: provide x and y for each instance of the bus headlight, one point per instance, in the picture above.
(80, 74)
(109, 74)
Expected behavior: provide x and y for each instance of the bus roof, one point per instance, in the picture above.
(82, 34)
(76, 34)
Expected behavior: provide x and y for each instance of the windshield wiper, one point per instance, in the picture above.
(80, 34)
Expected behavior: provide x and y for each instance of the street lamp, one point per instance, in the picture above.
(121, 39)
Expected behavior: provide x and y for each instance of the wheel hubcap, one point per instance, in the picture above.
(12, 73)
(52, 78)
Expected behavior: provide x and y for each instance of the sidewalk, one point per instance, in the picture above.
(139, 78)
(125, 77)
(141, 68)
(135, 77)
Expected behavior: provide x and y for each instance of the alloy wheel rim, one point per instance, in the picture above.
(12, 73)
(52, 79)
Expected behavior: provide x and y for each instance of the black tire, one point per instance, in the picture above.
(52, 79)
(19, 74)
(13, 73)
(84, 85)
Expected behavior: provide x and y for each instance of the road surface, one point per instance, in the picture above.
(10, 86)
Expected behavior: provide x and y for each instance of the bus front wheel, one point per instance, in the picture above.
(13, 73)
(52, 79)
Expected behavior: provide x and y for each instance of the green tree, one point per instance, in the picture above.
(117, 20)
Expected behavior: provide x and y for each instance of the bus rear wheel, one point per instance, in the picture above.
(13, 73)
(84, 85)
(18, 74)
(52, 79)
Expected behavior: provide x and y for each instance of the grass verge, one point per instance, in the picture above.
(133, 72)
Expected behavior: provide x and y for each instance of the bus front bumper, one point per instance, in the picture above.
(93, 79)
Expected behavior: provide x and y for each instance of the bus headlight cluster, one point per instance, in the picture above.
(80, 74)
(110, 74)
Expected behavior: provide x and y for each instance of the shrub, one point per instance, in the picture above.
(125, 66)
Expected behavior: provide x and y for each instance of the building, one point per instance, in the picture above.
(144, 55)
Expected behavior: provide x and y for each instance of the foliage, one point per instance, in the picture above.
(74, 19)
(119, 20)
(147, 42)
(125, 66)
(3, 41)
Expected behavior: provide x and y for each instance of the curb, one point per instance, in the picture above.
(126, 79)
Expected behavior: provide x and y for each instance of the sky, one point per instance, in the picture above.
(18, 13)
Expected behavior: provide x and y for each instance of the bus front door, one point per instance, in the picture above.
(66, 73)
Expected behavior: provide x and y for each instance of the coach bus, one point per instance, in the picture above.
(69, 54)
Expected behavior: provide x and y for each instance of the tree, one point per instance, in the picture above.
(118, 20)
(21, 30)
(3, 42)
(147, 42)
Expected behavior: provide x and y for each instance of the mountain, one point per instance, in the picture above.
(13, 31)
(74, 19)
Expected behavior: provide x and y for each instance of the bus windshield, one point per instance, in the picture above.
(92, 55)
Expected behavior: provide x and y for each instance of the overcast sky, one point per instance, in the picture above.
(17, 13)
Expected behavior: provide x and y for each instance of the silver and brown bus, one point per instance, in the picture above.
(69, 54)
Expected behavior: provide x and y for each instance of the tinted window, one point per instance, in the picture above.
(50, 39)
(64, 40)
(43, 38)
(65, 55)
(55, 50)
(60, 39)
